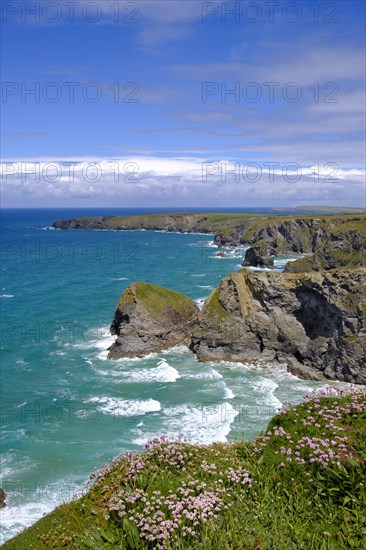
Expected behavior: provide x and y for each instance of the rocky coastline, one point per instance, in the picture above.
(327, 242)
(311, 317)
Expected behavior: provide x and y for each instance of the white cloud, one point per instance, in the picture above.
(180, 180)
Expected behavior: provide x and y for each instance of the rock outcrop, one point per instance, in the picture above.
(313, 322)
(257, 256)
(2, 498)
(329, 242)
(150, 318)
(336, 249)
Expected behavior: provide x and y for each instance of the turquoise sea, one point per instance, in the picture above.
(66, 409)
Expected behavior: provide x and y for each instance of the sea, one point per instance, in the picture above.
(66, 409)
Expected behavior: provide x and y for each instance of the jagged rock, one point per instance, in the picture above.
(2, 498)
(314, 322)
(257, 256)
(149, 319)
(328, 242)
(336, 250)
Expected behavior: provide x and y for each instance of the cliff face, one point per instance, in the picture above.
(149, 319)
(314, 322)
(328, 242)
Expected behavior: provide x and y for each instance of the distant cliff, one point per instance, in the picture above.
(228, 228)
(328, 241)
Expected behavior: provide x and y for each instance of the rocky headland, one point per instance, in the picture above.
(311, 318)
(315, 323)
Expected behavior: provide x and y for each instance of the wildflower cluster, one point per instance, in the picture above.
(179, 509)
(320, 436)
(162, 518)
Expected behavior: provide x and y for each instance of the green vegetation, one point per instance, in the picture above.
(157, 299)
(301, 484)
(214, 307)
(302, 265)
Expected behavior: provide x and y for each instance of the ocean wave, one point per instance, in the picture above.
(6, 295)
(19, 514)
(211, 374)
(202, 424)
(266, 387)
(124, 407)
(163, 372)
(229, 394)
(205, 286)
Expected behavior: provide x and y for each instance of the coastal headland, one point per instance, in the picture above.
(311, 317)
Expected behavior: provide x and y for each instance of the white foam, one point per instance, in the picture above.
(104, 344)
(252, 268)
(19, 514)
(103, 341)
(205, 286)
(7, 296)
(162, 373)
(16, 518)
(266, 387)
(177, 350)
(211, 374)
(199, 423)
(200, 302)
(124, 407)
(229, 394)
(198, 275)
(119, 278)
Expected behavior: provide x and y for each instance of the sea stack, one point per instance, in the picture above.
(149, 318)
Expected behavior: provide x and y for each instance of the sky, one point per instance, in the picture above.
(182, 103)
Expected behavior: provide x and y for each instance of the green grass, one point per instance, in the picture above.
(157, 299)
(214, 308)
(243, 495)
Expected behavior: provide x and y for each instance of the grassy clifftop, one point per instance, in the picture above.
(301, 484)
(156, 299)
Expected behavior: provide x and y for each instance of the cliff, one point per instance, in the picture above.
(329, 241)
(314, 322)
(149, 319)
(228, 228)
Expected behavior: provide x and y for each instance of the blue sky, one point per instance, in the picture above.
(133, 107)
